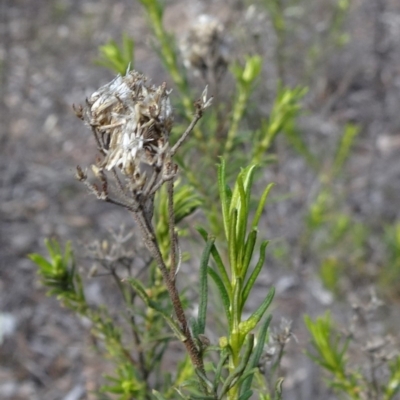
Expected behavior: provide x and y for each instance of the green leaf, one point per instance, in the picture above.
(237, 301)
(194, 325)
(278, 388)
(141, 291)
(330, 350)
(41, 262)
(68, 255)
(261, 205)
(223, 196)
(246, 326)
(203, 377)
(186, 201)
(221, 363)
(220, 265)
(253, 277)
(232, 243)
(252, 69)
(202, 314)
(245, 179)
(343, 151)
(256, 355)
(115, 58)
(241, 222)
(222, 292)
(246, 395)
(53, 247)
(235, 375)
(248, 251)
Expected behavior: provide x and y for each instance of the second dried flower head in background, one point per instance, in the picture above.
(205, 48)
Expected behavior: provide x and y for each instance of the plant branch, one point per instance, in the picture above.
(198, 114)
(152, 245)
(172, 233)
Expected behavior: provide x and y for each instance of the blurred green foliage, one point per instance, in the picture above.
(119, 59)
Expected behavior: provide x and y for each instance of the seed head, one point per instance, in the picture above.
(131, 121)
(205, 49)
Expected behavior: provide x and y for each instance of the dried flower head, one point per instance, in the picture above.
(282, 335)
(205, 48)
(131, 121)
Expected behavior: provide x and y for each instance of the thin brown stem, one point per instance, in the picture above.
(98, 141)
(129, 207)
(197, 116)
(164, 179)
(172, 235)
(152, 245)
(150, 184)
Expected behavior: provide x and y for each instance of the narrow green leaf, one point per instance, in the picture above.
(41, 262)
(327, 343)
(232, 243)
(246, 395)
(141, 291)
(218, 260)
(248, 251)
(248, 181)
(246, 176)
(194, 326)
(246, 326)
(53, 247)
(186, 201)
(221, 363)
(237, 301)
(343, 151)
(201, 319)
(261, 205)
(117, 389)
(241, 222)
(278, 389)
(228, 195)
(253, 277)
(223, 195)
(257, 352)
(203, 377)
(68, 254)
(222, 292)
(246, 373)
(235, 375)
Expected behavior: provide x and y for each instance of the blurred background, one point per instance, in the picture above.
(334, 226)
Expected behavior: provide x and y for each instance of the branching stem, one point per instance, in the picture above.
(197, 116)
(152, 245)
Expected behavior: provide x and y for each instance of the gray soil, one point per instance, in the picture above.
(46, 63)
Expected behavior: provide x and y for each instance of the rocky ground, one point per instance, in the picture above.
(46, 63)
